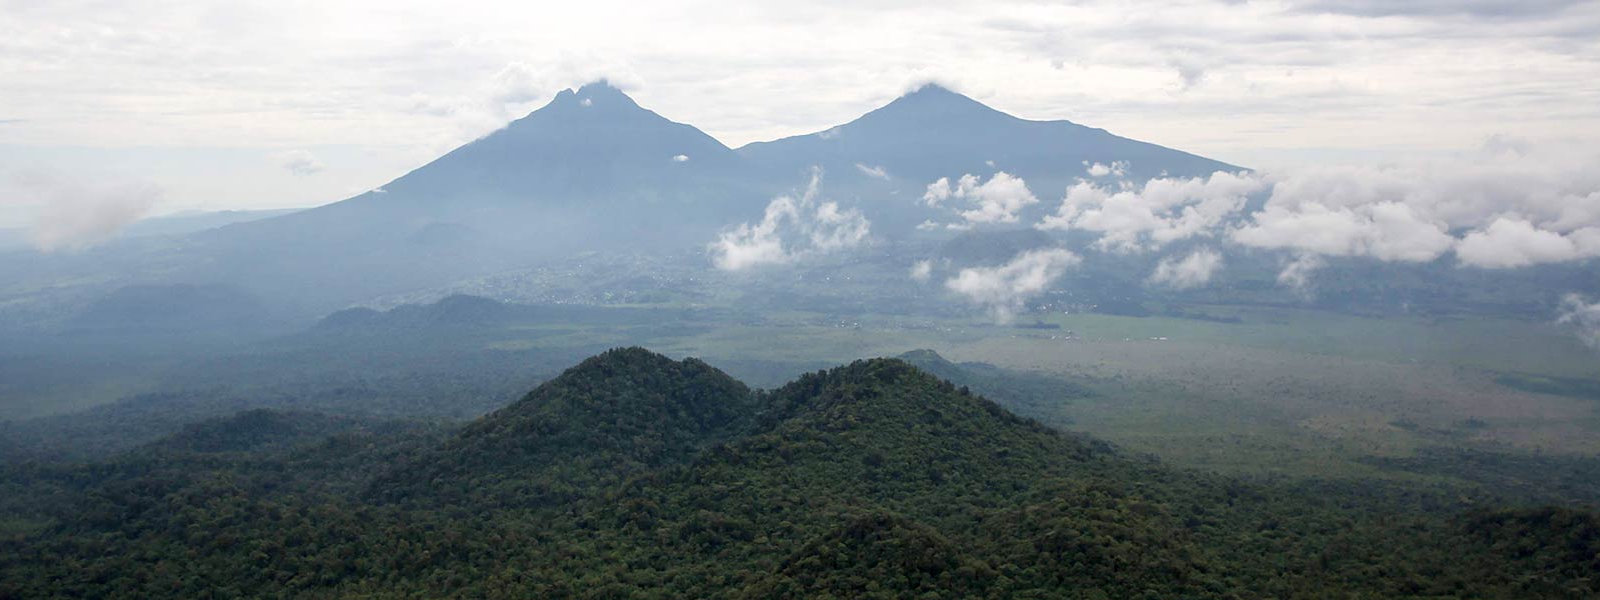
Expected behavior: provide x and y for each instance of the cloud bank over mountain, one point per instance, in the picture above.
(791, 228)
(1503, 206)
(1187, 272)
(1004, 290)
(1583, 316)
(70, 212)
(998, 200)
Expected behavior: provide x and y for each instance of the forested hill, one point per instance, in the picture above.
(616, 415)
(633, 475)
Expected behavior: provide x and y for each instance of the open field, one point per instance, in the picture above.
(1291, 392)
(1243, 390)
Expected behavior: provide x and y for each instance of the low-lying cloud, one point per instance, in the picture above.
(1504, 206)
(1117, 168)
(791, 229)
(1296, 272)
(998, 200)
(876, 172)
(70, 213)
(1188, 272)
(1140, 218)
(1583, 316)
(1005, 290)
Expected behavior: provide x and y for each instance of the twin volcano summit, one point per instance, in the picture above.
(593, 170)
(595, 154)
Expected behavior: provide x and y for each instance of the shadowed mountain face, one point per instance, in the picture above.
(591, 170)
(591, 159)
(934, 132)
(594, 171)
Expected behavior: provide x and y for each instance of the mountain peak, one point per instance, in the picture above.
(616, 414)
(932, 100)
(932, 89)
(593, 98)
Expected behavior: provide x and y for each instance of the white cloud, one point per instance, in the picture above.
(790, 229)
(1117, 168)
(1296, 273)
(1189, 272)
(922, 270)
(300, 162)
(998, 200)
(1277, 79)
(937, 193)
(75, 212)
(1163, 210)
(1274, 77)
(1004, 290)
(1509, 242)
(833, 228)
(1521, 205)
(1388, 231)
(1583, 316)
(1508, 205)
(680, 158)
(877, 172)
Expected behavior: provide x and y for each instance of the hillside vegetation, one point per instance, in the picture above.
(632, 475)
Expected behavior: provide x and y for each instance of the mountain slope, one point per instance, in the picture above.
(594, 171)
(933, 132)
(887, 461)
(591, 170)
(633, 475)
(615, 415)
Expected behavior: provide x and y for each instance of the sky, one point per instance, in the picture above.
(189, 104)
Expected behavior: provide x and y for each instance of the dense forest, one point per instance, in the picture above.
(632, 475)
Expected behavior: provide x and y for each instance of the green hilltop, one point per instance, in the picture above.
(633, 475)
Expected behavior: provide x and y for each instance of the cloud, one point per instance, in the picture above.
(1511, 242)
(877, 172)
(790, 229)
(76, 212)
(922, 270)
(1519, 205)
(1117, 168)
(1189, 272)
(1489, 9)
(300, 162)
(1190, 73)
(998, 200)
(1510, 204)
(1584, 318)
(479, 106)
(1388, 231)
(1005, 290)
(1163, 210)
(680, 158)
(1296, 273)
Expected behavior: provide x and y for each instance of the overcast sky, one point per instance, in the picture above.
(247, 104)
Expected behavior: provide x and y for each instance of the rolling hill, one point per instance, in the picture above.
(870, 480)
